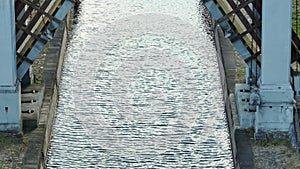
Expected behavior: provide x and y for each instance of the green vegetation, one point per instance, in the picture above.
(293, 166)
(295, 16)
(5, 141)
(265, 143)
(241, 74)
(12, 149)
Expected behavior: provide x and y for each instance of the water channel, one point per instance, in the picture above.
(140, 89)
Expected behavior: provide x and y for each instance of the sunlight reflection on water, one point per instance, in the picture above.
(140, 89)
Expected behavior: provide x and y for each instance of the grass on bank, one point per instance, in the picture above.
(5, 141)
(12, 150)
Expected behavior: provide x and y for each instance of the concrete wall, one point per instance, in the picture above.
(226, 95)
(37, 152)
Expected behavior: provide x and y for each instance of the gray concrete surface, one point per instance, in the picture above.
(38, 144)
(240, 140)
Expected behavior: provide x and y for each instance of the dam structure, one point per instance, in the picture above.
(142, 84)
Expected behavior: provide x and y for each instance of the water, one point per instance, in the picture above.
(140, 89)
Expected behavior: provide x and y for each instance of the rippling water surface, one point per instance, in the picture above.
(140, 89)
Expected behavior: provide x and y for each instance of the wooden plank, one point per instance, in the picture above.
(238, 24)
(38, 24)
(255, 40)
(30, 26)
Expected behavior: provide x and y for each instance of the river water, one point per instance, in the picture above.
(140, 89)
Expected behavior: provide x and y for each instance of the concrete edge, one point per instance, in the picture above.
(38, 145)
(240, 142)
(226, 97)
